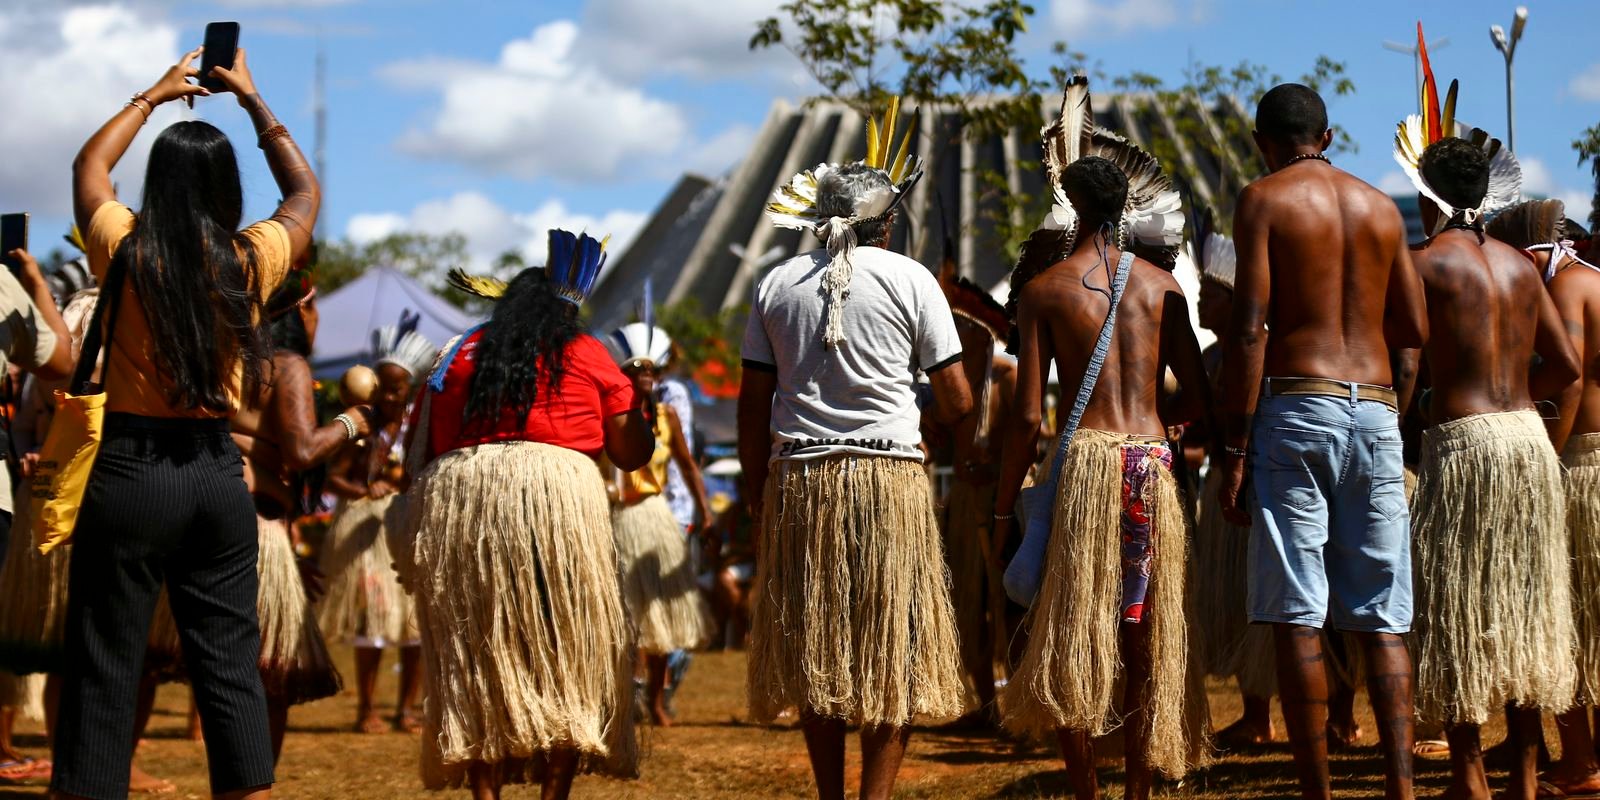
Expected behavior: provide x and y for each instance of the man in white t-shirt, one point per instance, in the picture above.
(852, 620)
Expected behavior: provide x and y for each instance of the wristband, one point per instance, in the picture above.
(266, 136)
(140, 98)
(1236, 451)
(349, 426)
(1004, 517)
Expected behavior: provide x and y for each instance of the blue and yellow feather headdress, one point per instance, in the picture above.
(572, 266)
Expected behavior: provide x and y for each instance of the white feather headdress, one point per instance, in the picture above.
(1435, 123)
(403, 347)
(1153, 214)
(638, 344)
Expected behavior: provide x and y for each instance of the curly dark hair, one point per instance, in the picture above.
(520, 351)
(1457, 170)
(1292, 113)
(1097, 189)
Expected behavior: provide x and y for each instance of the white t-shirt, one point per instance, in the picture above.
(858, 397)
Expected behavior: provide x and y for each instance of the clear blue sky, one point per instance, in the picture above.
(500, 118)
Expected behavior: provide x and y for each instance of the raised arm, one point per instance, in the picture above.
(1245, 347)
(293, 409)
(91, 170)
(302, 197)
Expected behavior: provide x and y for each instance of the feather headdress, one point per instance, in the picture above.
(795, 205)
(402, 346)
(639, 344)
(1434, 123)
(572, 266)
(1153, 214)
(1213, 252)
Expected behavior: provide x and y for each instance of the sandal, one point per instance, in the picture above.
(1431, 748)
(1552, 789)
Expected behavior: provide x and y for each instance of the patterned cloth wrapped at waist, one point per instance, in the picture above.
(1140, 457)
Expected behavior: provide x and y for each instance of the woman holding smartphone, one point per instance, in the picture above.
(167, 502)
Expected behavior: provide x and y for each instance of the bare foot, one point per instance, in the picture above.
(141, 782)
(660, 717)
(1556, 784)
(1341, 737)
(371, 723)
(407, 722)
(1245, 733)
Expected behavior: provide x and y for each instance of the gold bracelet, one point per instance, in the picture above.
(274, 132)
(135, 104)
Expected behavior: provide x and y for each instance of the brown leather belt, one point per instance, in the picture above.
(1325, 387)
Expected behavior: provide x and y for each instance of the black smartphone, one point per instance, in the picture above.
(222, 42)
(13, 236)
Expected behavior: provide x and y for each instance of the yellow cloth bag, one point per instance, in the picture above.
(67, 458)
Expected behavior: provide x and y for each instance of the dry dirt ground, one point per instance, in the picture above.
(715, 753)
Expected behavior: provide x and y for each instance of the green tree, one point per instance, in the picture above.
(421, 256)
(1588, 147)
(963, 56)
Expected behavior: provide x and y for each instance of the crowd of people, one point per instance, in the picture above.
(1387, 472)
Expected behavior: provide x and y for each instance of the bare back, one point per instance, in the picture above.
(260, 442)
(1576, 292)
(1332, 242)
(1482, 302)
(1065, 307)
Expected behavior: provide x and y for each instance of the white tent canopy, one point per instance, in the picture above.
(377, 298)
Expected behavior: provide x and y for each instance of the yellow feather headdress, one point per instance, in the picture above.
(794, 204)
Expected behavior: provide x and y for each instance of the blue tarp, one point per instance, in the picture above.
(350, 313)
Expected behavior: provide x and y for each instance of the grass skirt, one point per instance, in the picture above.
(295, 666)
(851, 609)
(524, 643)
(659, 588)
(33, 598)
(1494, 611)
(364, 603)
(1582, 459)
(1070, 674)
(1228, 644)
(968, 512)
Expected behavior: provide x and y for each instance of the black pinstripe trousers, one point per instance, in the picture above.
(166, 502)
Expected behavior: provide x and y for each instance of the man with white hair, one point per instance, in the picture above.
(852, 620)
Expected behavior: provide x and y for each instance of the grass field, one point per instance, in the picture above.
(714, 753)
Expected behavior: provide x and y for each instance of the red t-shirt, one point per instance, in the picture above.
(592, 390)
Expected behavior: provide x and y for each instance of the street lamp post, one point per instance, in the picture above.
(1416, 56)
(1508, 48)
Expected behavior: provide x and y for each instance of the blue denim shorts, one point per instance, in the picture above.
(1331, 539)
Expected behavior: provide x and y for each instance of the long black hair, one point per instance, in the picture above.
(193, 272)
(521, 350)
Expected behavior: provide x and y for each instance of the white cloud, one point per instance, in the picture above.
(491, 229)
(719, 153)
(639, 38)
(68, 70)
(537, 111)
(1395, 182)
(1586, 84)
(1537, 179)
(1075, 18)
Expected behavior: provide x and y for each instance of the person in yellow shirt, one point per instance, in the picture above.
(659, 587)
(167, 503)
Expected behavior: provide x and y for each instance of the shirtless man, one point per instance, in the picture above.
(1574, 285)
(1323, 257)
(279, 438)
(1489, 489)
(1101, 541)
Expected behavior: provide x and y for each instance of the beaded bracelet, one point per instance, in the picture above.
(274, 132)
(349, 426)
